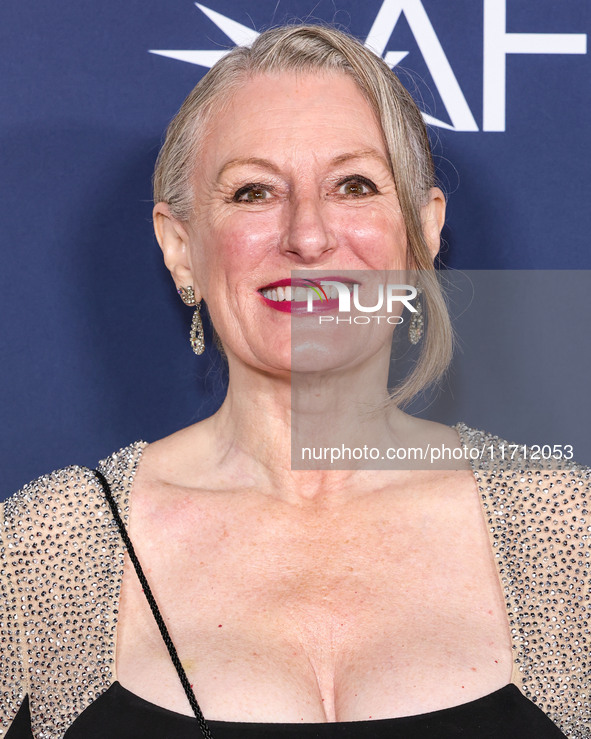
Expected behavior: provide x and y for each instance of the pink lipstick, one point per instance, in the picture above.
(280, 295)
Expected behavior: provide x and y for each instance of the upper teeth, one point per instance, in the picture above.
(300, 294)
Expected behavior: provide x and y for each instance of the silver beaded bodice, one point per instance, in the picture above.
(61, 565)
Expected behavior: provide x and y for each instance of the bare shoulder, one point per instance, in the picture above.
(420, 430)
(430, 444)
(182, 459)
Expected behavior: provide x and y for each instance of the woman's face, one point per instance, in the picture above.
(294, 175)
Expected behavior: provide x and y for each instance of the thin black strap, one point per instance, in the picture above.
(154, 608)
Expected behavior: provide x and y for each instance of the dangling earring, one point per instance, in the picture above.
(196, 336)
(417, 322)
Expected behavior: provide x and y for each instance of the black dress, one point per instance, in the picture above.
(119, 714)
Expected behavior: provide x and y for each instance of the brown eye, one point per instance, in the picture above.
(251, 194)
(357, 187)
(354, 188)
(256, 194)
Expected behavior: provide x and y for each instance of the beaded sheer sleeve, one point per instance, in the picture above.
(539, 525)
(62, 564)
(14, 685)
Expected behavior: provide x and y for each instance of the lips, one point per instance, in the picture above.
(291, 295)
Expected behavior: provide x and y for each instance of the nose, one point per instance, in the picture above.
(307, 238)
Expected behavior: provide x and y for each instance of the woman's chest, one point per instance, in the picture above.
(383, 612)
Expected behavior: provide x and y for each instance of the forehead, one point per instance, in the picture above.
(287, 115)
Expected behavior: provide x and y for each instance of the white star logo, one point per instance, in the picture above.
(377, 40)
(240, 35)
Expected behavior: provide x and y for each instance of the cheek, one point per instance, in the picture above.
(379, 237)
(247, 238)
(233, 247)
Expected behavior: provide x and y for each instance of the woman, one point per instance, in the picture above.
(311, 602)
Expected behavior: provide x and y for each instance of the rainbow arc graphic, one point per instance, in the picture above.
(318, 289)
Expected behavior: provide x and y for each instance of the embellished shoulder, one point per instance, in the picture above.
(539, 523)
(61, 568)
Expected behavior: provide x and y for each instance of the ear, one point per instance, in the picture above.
(433, 218)
(173, 238)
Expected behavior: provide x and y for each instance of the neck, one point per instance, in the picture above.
(266, 420)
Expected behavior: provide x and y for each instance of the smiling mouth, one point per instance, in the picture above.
(300, 294)
(297, 295)
(299, 290)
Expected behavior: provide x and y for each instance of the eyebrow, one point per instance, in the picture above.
(257, 161)
(362, 154)
(340, 159)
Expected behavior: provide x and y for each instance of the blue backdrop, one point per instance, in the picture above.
(95, 339)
